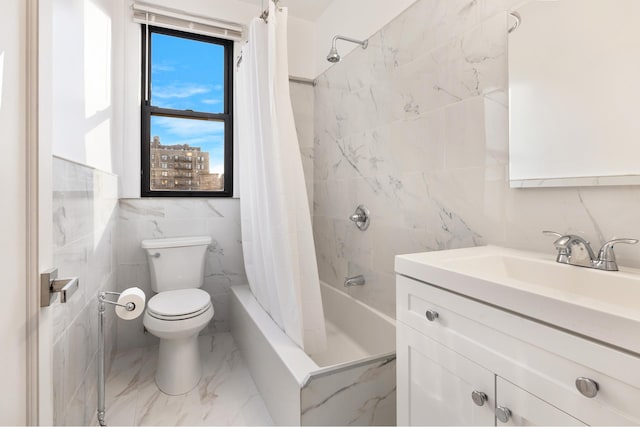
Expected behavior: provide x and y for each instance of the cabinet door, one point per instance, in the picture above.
(528, 410)
(435, 384)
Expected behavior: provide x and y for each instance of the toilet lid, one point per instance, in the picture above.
(179, 303)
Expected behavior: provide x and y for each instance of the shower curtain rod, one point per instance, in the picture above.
(302, 80)
(294, 79)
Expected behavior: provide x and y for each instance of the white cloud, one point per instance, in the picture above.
(162, 67)
(179, 91)
(212, 101)
(219, 168)
(192, 129)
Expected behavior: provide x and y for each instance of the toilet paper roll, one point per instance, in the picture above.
(132, 295)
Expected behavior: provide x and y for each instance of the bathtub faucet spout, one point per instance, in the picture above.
(354, 281)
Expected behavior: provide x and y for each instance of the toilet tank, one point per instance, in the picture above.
(177, 262)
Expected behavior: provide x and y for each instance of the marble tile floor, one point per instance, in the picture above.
(226, 394)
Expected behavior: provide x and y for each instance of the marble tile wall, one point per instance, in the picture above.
(416, 128)
(219, 218)
(85, 205)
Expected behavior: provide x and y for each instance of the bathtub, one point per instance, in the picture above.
(353, 382)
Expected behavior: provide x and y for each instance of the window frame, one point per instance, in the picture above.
(147, 111)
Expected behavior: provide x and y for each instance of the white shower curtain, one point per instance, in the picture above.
(277, 238)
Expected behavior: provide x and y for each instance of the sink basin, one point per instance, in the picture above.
(583, 284)
(602, 305)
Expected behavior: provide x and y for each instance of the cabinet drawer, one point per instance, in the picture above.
(539, 358)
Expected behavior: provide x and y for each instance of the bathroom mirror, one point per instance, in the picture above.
(574, 91)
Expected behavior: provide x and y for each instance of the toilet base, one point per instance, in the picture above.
(179, 368)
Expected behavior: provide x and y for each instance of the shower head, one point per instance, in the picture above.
(334, 56)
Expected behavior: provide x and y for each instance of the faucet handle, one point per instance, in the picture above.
(562, 239)
(606, 252)
(561, 244)
(607, 257)
(622, 240)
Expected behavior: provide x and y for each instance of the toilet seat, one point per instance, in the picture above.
(179, 304)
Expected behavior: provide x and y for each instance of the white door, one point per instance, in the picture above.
(44, 61)
(435, 384)
(13, 263)
(26, 219)
(26, 348)
(525, 409)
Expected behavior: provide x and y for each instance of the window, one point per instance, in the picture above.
(187, 113)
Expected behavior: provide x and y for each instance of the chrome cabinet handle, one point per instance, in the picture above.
(587, 387)
(503, 414)
(156, 255)
(478, 397)
(431, 315)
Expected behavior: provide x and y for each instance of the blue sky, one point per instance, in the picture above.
(188, 74)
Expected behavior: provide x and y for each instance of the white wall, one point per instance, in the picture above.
(302, 37)
(301, 64)
(83, 104)
(12, 226)
(359, 19)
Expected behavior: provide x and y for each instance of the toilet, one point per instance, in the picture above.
(179, 310)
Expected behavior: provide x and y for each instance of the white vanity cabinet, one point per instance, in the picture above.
(437, 386)
(450, 348)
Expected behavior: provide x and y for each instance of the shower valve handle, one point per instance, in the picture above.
(361, 217)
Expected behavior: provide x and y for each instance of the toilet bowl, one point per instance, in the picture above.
(179, 310)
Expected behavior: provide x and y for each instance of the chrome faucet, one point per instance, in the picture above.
(354, 281)
(574, 250)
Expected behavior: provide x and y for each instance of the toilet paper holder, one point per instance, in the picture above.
(102, 297)
(102, 300)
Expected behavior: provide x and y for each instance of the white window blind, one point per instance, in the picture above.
(158, 16)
